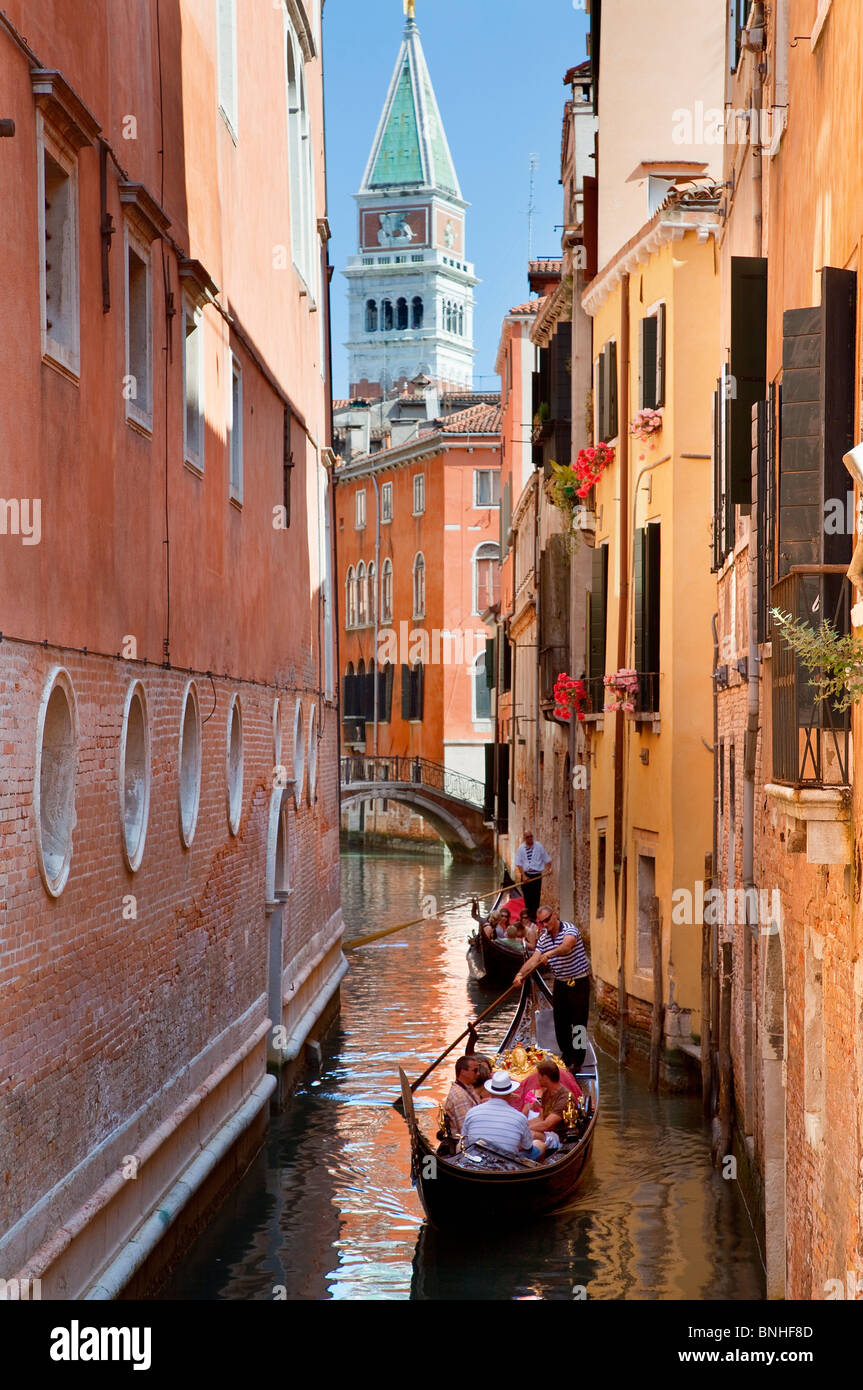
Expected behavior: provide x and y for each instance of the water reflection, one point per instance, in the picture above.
(327, 1210)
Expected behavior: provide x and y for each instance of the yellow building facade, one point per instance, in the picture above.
(655, 310)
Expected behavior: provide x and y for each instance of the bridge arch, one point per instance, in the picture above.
(461, 843)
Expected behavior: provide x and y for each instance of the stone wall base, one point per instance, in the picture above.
(678, 1071)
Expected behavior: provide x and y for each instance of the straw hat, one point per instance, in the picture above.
(501, 1084)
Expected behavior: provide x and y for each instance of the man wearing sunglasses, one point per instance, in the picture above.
(560, 945)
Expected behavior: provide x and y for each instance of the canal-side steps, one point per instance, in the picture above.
(450, 801)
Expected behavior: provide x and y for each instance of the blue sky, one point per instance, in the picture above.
(497, 67)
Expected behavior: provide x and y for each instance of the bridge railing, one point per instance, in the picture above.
(358, 768)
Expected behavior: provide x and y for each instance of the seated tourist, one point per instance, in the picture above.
(492, 925)
(529, 930)
(484, 1074)
(498, 1122)
(462, 1095)
(552, 1098)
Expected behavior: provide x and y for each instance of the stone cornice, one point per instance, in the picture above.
(429, 446)
(63, 108)
(667, 225)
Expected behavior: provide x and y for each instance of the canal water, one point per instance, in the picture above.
(327, 1211)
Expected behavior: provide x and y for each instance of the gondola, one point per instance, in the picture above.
(494, 962)
(484, 1186)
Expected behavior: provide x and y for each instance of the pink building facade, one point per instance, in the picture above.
(170, 929)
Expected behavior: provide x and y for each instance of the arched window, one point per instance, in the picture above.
(461, 319)
(448, 323)
(371, 316)
(349, 698)
(387, 316)
(486, 577)
(362, 596)
(419, 586)
(351, 599)
(56, 776)
(387, 592)
(481, 695)
(373, 593)
(417, 312)
(401, 313)
(301, 190)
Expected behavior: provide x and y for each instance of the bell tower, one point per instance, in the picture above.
(410, 288)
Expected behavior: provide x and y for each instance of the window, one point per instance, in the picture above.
(387, 592)
(138, 385)
(235, 432)
(461, 320)
(287, 466)
(419, 493)
(606, 393)
(299, 754)
(646, 579)
(412, 692)
(448, 317)
(401, 313)
(54, 782)
(371, 316)
(227, 41)
(600, 874)
(360, 510)
(135, 775)
(486, 578)
(387, 502)
(312, 779)
(646, 912)
(302, 196)
(419, 586)
(193, 386)
(596, 626)
(362, 596)
(416, 312)
(351, 599)
(481, 691)
(486, 487)
(387, 316)
(234, 765)
(189, 764)
(350, 707)
(58, 262)
(651, 360)
(373, 593)
(385, 692)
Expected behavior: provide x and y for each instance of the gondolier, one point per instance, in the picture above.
(560, 945)
(531, 860)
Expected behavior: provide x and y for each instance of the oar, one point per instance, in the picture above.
(470, 1028)
(416, 921)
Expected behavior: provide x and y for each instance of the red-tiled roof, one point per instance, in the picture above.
(477, 419)
(470, 398)
(546, 267)
(532, 306)
(340, 405)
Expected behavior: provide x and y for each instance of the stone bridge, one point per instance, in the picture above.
(449, 801)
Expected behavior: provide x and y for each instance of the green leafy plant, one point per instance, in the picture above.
(834, 662)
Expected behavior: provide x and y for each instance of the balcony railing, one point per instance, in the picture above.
(420, 771)
(811, 738)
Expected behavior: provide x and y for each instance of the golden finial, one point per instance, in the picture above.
(410, 8)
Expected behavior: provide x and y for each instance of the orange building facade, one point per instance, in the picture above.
(168, 696)
(418, 555)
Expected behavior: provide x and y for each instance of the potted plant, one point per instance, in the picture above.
(573, 482)
(570, 694)
(645, 423)
(621, 691)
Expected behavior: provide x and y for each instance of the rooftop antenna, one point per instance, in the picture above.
(531, 204)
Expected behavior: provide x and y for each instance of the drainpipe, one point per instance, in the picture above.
(709, 954)
(538, 620)
(622, 608)
(376, 685)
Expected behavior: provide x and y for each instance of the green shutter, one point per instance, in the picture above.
(748, 366)
(598, 604)
(647, 337)
(419, 679)
(612, 391)
(660, 356)
(491, 662)
(406, 691)
(639, 547)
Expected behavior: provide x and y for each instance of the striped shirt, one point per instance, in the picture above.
(532, 859)
(571, 966)
(499, 1123)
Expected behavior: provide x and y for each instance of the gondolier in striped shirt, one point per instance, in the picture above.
(531, 861)
(560, 945)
